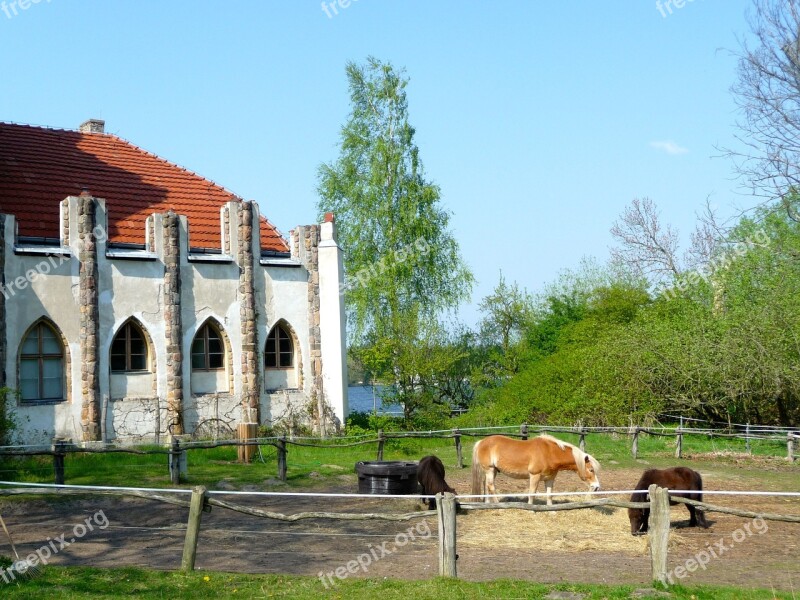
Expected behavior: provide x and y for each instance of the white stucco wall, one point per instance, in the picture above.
(132, 287)
(332, 322)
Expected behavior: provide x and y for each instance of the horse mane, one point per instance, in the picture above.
(579, 455)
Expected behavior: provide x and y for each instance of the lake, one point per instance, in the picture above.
(365, 398)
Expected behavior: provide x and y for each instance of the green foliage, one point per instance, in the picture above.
(721, 345)
(7, 424)
(433, 417)
(390, 222)
(403, 264)
(508, 312)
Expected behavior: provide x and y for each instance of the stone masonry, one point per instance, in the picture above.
(88, 284)
(172, 321)
(305, 247)
(247, 315)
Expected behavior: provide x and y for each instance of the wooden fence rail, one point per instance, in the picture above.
(178, 465)
(202, 501)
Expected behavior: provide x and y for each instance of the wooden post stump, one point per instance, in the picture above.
(635, 444)
(446, 514)
(59, 450)
(658, 532)
(747, 439)
(175, 462)
(246, 431)
(679, 445)
(582, 441)
(459, 451)
(282, 458)
(381, 442)
(198, 502)
(790, 447)
(523, 431)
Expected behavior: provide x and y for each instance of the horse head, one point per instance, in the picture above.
(589, 472)
(638, 521)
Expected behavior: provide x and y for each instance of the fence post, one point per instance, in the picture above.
(381, 442)
(523, 431)
(193, 528)
(747, 438)
(582, 440)
(446, 513)
(658, 531)
(635, 444)
(281, 445)
(175, 461)
(679, 445)
(459, 452)
(790, 446)
(59, 453)
(246, 432)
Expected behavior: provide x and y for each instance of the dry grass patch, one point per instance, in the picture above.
(601, 528)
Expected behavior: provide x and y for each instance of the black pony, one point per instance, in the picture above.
(430, 474)
(676, 478)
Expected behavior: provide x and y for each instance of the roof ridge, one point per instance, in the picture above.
(35, 126)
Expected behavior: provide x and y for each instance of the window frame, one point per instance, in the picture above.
(125, 329)
(277, 353)
(203, 331)
(40, 357)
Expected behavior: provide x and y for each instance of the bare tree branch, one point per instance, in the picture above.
(768, 95)
(705, 238)
(645, 245)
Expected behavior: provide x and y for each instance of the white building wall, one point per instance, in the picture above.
(29, 299)
(332, 321)
(131, 285)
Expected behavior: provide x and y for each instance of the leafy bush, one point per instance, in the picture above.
(428, 418)
(7, 424)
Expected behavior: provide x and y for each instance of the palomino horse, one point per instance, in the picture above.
(534, 459)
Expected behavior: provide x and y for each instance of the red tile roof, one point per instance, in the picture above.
(39, 167)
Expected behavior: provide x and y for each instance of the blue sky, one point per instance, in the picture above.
(540, 120)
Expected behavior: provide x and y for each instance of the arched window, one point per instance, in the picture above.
(129, 350)
(41, 365)
(208, 350)
(279, 353)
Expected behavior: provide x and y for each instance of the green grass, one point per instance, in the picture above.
(79, 583)
(307, 467)
(310, 468)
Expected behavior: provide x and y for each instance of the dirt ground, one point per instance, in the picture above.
(595, 548)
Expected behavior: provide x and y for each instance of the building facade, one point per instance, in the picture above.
(152, 302)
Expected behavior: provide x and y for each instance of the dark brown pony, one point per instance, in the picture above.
(430, 474)
(676, 478)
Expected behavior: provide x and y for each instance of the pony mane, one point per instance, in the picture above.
(579, 455)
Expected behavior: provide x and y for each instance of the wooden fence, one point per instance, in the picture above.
(202, 500)
(178, 465)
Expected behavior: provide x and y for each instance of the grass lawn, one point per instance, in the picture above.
(79, 583)
(315, 468)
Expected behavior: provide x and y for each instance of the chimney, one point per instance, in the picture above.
(93, 126)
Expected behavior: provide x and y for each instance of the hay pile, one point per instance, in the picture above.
(602, 528)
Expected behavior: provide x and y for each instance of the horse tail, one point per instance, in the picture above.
(478, 474)
(699, 483)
